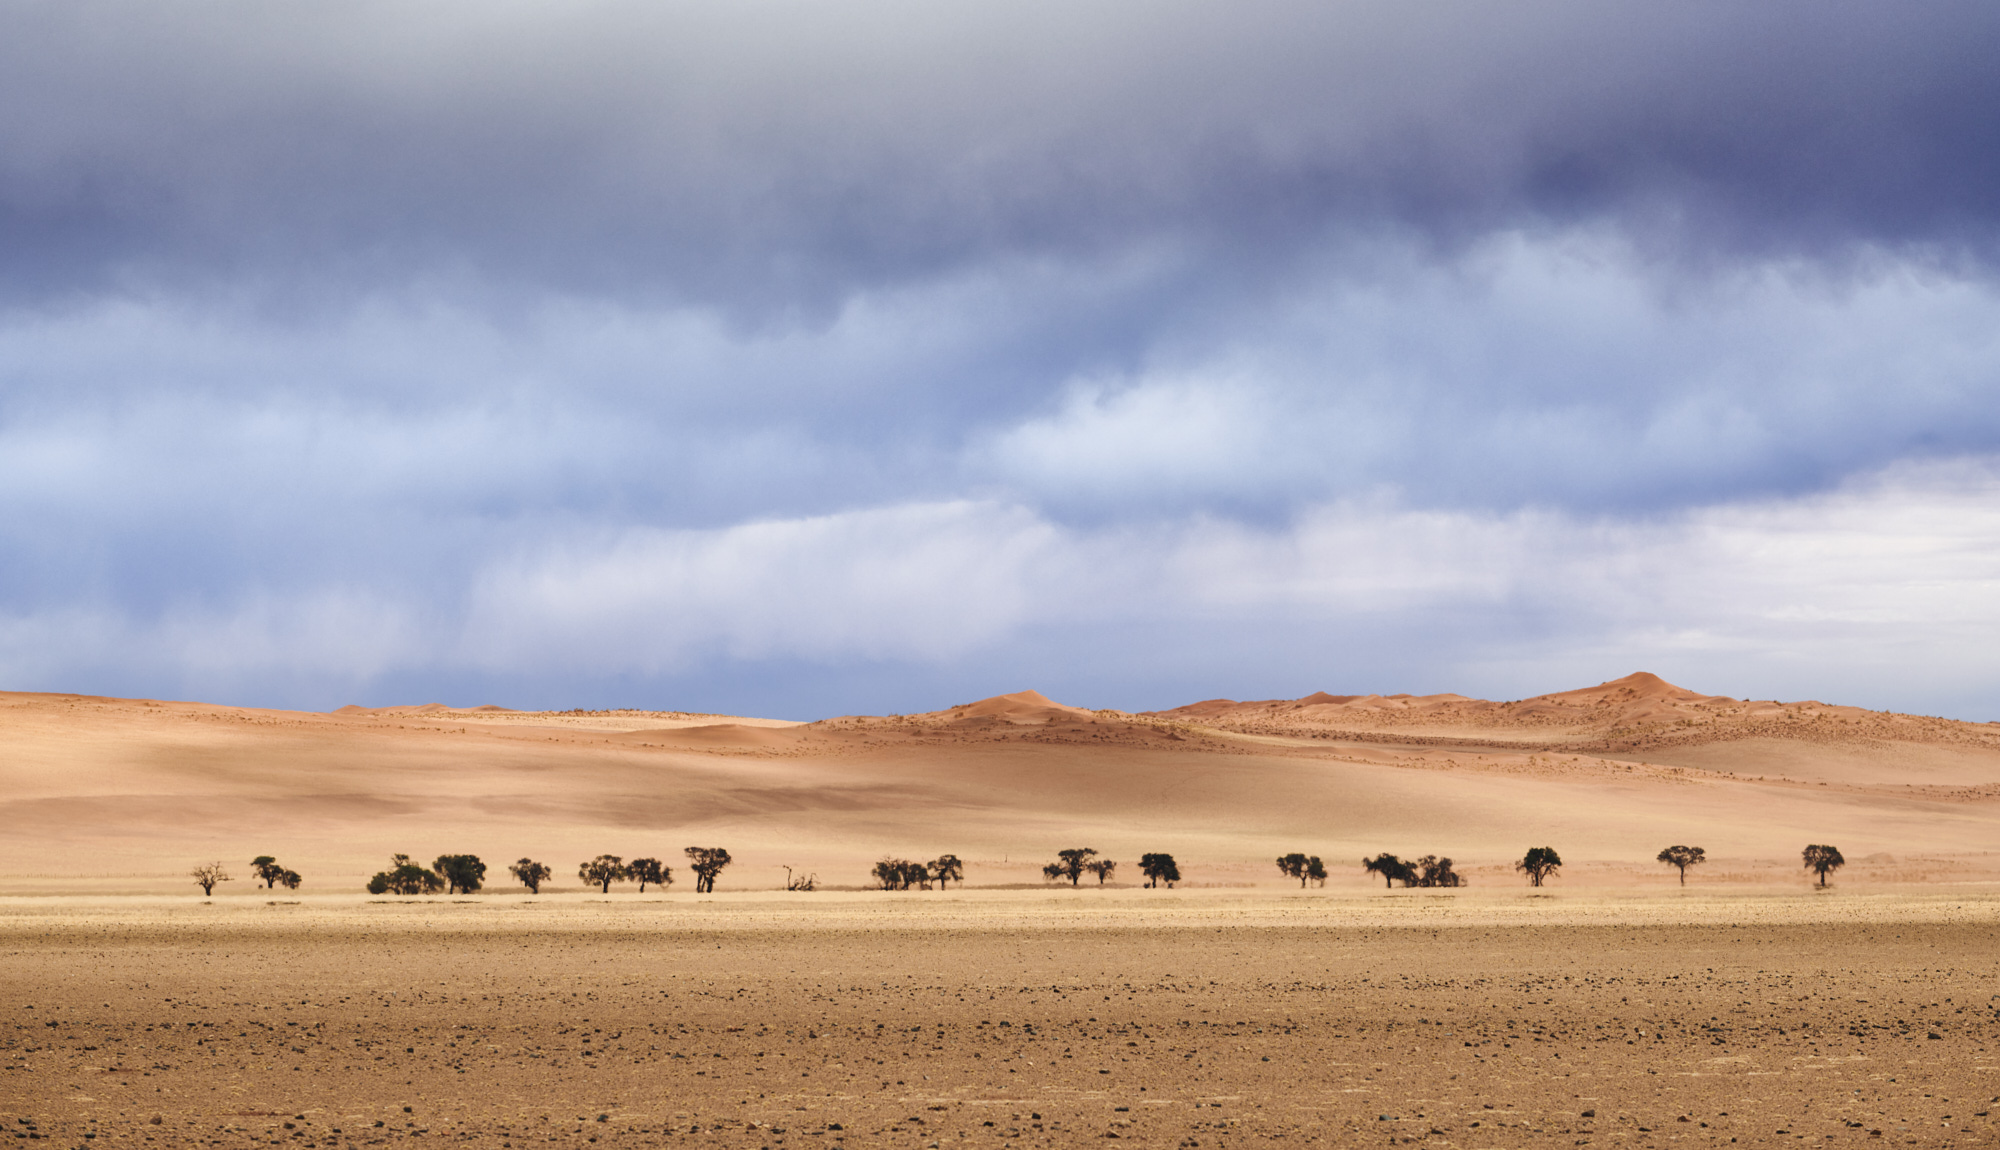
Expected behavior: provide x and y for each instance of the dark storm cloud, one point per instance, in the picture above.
(767, 157)
(806, 357)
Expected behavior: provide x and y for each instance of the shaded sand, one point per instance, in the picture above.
(1156, 1018)
(108, 795)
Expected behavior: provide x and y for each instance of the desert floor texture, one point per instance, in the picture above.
(1161, 1018)
(1613, 1007)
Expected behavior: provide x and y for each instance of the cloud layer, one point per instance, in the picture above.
(786, 359)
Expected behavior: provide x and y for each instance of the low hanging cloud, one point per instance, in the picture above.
(1884, 590)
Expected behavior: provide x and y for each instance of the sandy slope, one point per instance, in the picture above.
(111, 795)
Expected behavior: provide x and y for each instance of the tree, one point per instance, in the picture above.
(207, 875)
(1685, 857)
(1315, 870)
(947, 868)
(1294, 866)
(1389, 867)
(1069, 864)
(290, 879)
(706, 863)
(1102, 868)
(643, 871)
(266, 868)
(531, 874)
(405, 877)
(462, 874)
(894, 874)
(1431, 870)
(1159, 868)
(602, 871)
(1823, 859)
(1539, 863)
(803, 881)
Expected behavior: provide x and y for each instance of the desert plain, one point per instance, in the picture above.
(1612, 1006)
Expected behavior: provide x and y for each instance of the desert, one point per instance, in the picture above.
(1613, 1004)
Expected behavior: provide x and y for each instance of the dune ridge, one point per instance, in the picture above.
(139, 789)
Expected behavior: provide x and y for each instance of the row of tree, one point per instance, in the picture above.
(902, 874)
(463, 874)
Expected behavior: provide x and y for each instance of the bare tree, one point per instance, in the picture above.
(1070, 864)
(531, 874)
(706, 863)
(207, 875)
(1823, 859)
(947, 868)
(1539, 863)
(804, 881)
(1102, 868)
(643, 871)
(1683, 857)
(1159, 868)
(1389, 867)
(602, 871)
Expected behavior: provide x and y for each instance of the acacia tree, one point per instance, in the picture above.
(207, 875)
(947, 868)
(1102, 868)
(1070, 864)
(1823, 859)
(706, 863)
(405, 877)
(1159, 868)
(602, 871)
(1684, 857)
(1315, 870)
(462, 874)
(289, 879)
(1539, 863)
(1431, 870)
(1294, 865)
(643, 871)
(267, 868)
(900, 874)
(1389, 867)
(531, 874)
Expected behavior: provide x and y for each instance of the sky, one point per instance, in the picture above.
(796, 359)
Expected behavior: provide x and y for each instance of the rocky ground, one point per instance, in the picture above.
(1001, 1023)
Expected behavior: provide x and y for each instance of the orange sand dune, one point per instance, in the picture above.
(113, 795)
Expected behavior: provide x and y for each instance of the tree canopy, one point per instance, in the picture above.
(1389, 867)
(404, 878)
(602, 871)
(948, 868)
(1070, 864)
(531, 874)
(1539, 863)
(462, 874)
(1683, 858)
(643, 871)
(1302, 867)
(706, 863)
(902, 874)
(1823, 859)
(1159, 868)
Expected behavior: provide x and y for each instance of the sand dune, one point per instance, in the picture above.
(124, 795)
